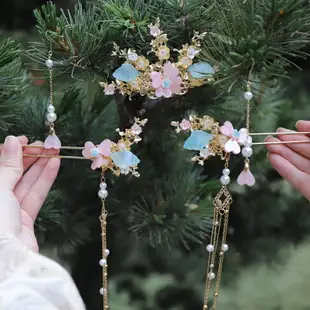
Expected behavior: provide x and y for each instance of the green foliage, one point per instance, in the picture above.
(13, 81)
(277, 285)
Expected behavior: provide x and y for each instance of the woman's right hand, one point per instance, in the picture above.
(292, 161)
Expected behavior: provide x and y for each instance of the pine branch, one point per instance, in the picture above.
(13, 81)
(268, 35)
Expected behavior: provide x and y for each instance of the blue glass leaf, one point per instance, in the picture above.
(200, 70)
(124, 159)
(197, 140)
(126, 73)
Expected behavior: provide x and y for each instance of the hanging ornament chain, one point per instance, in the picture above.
(51, 115)
(103, 193)
(221, 203)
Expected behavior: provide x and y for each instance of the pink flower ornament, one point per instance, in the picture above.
(236, 137)
(98, 153)
(168, 82)
(185, 124)
(52, 142)
(246, 178)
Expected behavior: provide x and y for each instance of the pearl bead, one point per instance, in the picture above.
(102, 262)
(103, 185)
(106, 252)
(226, 171)
(225, 247)
(51, 117)
(225, 179)
(211, 266)
(248, 95)
(247, 152)
(102, 291)
(210, 248)
(103, 194)
(248, 142)
(50, 108)
(243, 131)
(211, 275)
(49, 63)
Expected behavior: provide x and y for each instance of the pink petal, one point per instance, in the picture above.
(159, 92)
(170, 70)
(156, 79)
(246, 178)
(52, 142)
(176, 85)
(97, 163)
(232, 146)
(227, 129)
(88, 147)
(167, 92)
(105, 147)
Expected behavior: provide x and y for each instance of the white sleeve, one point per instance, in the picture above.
(31, 281)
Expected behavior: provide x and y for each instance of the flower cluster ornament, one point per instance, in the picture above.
(116, 157)
(164, 78)
(210, 139)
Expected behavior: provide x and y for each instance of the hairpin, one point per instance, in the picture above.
(210, 139)
(206, 138)
(163, 78)
(118, 158)
(52, 141)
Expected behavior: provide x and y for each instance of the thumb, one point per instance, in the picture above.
(11, 163)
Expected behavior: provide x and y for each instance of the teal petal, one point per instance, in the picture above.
(125, 159)
(197, 140)
(200, 70)
(126, 73)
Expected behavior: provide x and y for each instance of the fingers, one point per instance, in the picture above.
(33, 174)
(301, 148)
(288, 171)
(303, 126)
(29, 161)
(11, 163)
(300, 162)
(37, 194)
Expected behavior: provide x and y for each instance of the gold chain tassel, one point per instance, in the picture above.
(222, 203)
(105, 251)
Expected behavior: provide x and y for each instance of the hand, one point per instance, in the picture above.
(292, 161)
(24, 185)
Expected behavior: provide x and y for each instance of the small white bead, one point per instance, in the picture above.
(226, 171)
(49, 63)
(225, 179)
(51, 117)
(225, 247)
(102, 291)
(243, 131)
(211, 266)
(248, 141)
(210, 248)
(103, 194)
(50, 108)
(102, 262)
(247, 152)
(211, 275)
(103, 185)
(106, 252)
(248, 95)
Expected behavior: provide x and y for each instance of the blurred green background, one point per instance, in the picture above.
(267, 266)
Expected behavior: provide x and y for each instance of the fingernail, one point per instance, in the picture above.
(268, 153)
(11, 145)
